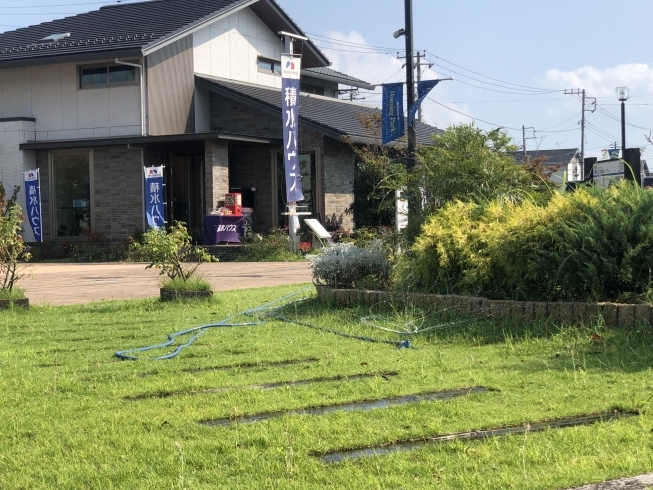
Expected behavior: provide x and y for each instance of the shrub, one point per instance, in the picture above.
(346, 266)
(190, 284)
(273, 247)
(171, 252)
(591, 245)
(12, 246)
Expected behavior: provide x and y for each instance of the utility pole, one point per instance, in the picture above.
(523, 132)
(410, 83)
(419, 66)
(584, 101)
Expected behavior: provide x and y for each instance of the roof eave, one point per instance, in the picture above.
(73, 58)
(343, 81)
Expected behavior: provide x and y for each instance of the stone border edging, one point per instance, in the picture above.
(613, 314)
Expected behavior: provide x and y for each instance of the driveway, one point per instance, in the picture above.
(67, 284)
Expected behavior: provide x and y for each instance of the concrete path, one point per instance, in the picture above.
(66, 284)
(637, 483)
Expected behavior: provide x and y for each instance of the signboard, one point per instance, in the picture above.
(154, 197)
(392, 119)
(290, 97)
(33, 201)
(423, 89)
(607, 172)
(218, 229)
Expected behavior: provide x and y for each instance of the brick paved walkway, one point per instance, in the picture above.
(65, 284)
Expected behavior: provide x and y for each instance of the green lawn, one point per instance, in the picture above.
(70, 416)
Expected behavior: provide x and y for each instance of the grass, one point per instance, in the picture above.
(66, 421)
(15, 293)
(192, 284)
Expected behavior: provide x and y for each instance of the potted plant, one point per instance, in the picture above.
(173, 253)
(12, 250)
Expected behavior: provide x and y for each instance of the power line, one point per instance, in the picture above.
(525, 91)
(351, 43)
(495, 79)
(472, 117)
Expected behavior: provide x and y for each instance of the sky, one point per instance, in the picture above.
(511, 60)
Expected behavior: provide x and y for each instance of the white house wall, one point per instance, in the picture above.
(13, 161)
(50, 94)
(229, 48)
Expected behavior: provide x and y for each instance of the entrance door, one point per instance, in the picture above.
(309, 186)
(185, 191)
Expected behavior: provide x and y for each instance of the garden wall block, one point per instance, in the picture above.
(610, 314)
(626, 316)
(614, 315)
(642, 314)
(541, 311)
(566, 313)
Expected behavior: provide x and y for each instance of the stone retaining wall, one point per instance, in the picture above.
(614, 315)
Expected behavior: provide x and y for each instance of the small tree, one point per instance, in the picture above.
(172, 252)
(12, 246)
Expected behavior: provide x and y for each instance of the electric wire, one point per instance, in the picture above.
(472, 117)
(495, 79)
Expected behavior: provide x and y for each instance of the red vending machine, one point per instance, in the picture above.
(234, 203)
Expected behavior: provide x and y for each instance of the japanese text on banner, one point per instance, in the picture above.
(154, 197)
(290, 98)
(33, 201)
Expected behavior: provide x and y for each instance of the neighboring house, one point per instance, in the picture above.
(193, 85)
(561, 165)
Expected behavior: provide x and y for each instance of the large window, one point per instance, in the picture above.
(71, 194)
(104, 75)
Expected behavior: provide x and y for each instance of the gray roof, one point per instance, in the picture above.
(135, 28)
(553, 157)
(333, 117)
(335, 76)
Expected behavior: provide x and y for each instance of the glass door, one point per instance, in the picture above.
(71, 194)
(184, 179)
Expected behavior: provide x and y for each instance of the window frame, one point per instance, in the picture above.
(52, 197)
(273, 65)
(107, 66)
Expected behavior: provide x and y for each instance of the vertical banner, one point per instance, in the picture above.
(423, 89)
(33, 201)
(392, 119)
(290, 72)
(154, 197)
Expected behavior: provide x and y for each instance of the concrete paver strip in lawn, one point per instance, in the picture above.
(637, 483)
(67, 284)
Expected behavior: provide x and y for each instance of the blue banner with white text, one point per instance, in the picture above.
(154, 197)
(392, 119)
(423, 89)
(33, 201)
(290, 98)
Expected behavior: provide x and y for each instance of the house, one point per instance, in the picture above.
(562, 165)
(91, 99)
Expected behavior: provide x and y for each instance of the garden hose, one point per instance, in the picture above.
(268, 308)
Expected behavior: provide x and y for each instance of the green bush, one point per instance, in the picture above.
(172, 252)
(12, 247)
(273, 247)
(346, 266)
(591, 245)
(191, 284)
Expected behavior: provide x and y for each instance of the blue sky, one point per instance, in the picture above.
(509, 44)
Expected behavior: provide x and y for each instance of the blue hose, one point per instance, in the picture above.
(267, 307)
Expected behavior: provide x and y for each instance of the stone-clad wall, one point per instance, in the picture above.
(339, 181)
(118, 184)
(613, 315)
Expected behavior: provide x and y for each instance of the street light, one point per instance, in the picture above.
(623, 94)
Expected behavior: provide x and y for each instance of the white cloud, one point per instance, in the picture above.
(353, 55)
(638, 77)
